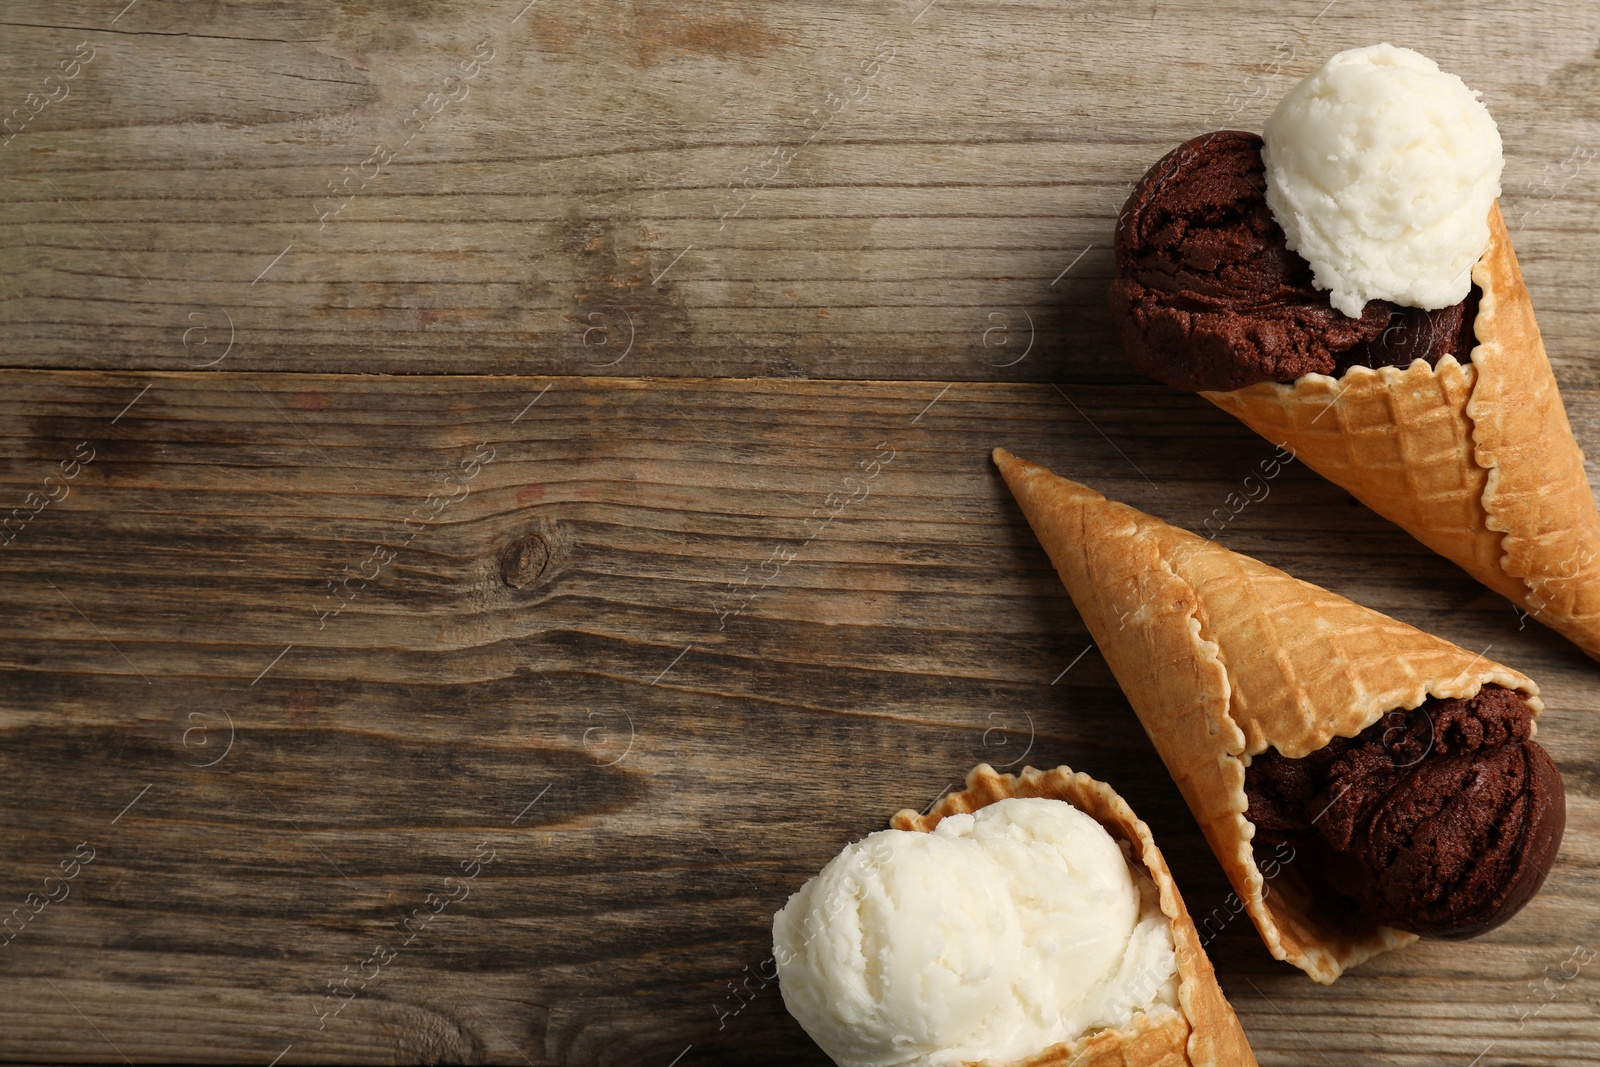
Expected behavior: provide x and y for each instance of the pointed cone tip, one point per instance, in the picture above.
(1013, 466)
(1019, 474)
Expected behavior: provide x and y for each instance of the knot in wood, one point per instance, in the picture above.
(523, 560)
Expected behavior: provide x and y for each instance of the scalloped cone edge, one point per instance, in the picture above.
(1203, 1032)
(1221, 657)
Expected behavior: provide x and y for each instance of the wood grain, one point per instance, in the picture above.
(407, 473)
(573, 661)
(602, 196)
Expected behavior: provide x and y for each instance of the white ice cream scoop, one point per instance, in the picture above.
(1381, 169)
(996, 936)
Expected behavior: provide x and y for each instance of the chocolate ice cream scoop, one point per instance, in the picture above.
(1209, 296)
(1443, 820)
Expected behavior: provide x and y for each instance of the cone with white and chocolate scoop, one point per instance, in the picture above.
(1203, 1032)
(1223, 657)
(1476, 460)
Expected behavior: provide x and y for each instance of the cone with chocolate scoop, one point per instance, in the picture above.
(1223, 657)
(1203, 1032)
(1476, 460)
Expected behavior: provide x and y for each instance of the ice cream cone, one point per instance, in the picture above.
(1203, 1032)
(1222, 657)
(1476, 460)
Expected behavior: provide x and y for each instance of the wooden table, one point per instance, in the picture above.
(446, 391)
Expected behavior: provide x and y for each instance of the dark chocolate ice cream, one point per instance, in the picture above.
(1209, 296)
(1442, 820)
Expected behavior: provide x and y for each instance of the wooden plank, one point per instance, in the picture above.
(593, 655)
(595, 191)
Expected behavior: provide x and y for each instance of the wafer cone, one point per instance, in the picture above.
(1203, 1032)
(1222, 657)
(1476, 460)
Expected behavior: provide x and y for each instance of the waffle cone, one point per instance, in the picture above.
(1476, 460)
(1203, 1032)
(1222, 657)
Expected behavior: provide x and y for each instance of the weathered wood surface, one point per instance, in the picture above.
(279, 715)
(581, 659)
(898, 190)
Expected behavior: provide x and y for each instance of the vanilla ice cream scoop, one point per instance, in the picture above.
(1381, 169)
(995, 936)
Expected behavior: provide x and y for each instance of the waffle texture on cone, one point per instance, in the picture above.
(1222, 657)
(1476, 460)
(1203, 1032)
